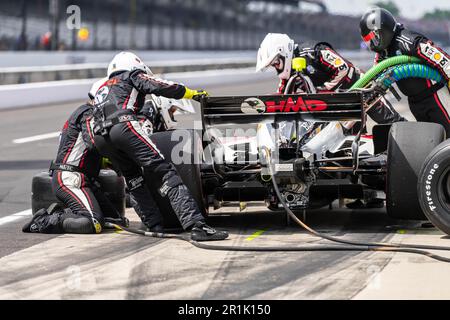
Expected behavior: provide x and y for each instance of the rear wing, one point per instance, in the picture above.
(310, 107)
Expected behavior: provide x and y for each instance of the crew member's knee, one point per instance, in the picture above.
(82, 225)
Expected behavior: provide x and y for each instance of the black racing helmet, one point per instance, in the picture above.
(377, 28)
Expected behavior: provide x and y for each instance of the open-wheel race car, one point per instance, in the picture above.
(315, 143)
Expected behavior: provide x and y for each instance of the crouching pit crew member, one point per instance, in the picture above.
(74, 170)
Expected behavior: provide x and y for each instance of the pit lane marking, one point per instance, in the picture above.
(15, 216)
(37, 137)
(255, 235)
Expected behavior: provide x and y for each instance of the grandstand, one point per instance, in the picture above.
(179, 24)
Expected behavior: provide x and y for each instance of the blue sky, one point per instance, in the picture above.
(411, 9)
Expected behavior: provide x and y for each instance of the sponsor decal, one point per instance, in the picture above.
(333, 59)
(112, 82)
(257, 106)
(437, 56)
(284, 167)
(126, 117)
(135, 183)
(252, 106)
(290, 105)
(164, 189)
(429, 199)
(101, 95)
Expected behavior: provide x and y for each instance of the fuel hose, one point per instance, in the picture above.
(373, 72)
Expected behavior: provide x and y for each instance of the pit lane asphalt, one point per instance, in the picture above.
(122, 266)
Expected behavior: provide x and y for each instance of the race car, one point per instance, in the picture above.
(323, 163)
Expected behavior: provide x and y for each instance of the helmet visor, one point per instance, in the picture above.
(372, 39)
(278, 63)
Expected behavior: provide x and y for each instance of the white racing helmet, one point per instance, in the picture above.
(127, 61)
(95, 87)
(276, 50)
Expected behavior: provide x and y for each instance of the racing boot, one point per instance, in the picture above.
(155, 228)
(370, 204)
(202, 232)
(45, 221)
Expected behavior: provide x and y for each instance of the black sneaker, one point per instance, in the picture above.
(33, 225)
(371, 204)
(158, 228)
(357, 204)
(202, 232)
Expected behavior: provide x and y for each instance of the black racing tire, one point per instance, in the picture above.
(189, 172)
(409, 144)
(113, 186)
(42, 195)
(433, 187)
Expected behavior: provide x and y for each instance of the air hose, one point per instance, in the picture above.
(344, 245)
(373, 72)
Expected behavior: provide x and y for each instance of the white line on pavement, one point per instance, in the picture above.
(38, 137)
(15, 216)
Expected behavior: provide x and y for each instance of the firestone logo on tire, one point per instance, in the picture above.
(430, 176)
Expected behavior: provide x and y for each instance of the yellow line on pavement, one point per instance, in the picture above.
(255, 235)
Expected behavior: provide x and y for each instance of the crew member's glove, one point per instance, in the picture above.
(105, 163)
(194, 94)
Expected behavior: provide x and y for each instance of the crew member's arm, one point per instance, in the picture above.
(86, 124)
(152, 85)
(342, 70)
(432, 55)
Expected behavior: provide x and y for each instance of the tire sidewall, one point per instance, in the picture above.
(429, 187)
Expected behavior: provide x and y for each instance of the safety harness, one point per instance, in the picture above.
(102, 126)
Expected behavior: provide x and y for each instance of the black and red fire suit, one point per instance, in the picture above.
(119, 136)
(329, 71)
(428, 102)
(74, 170)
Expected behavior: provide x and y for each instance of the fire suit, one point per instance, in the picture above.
(120, 137)
(74, 170)
(329, 71)
(428, 102)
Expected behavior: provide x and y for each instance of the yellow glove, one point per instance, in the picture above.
(194, 94)
(105, 163)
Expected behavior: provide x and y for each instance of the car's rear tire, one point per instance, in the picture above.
(433, 187)
(408, 145)
(113, 186)
(187, 144)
